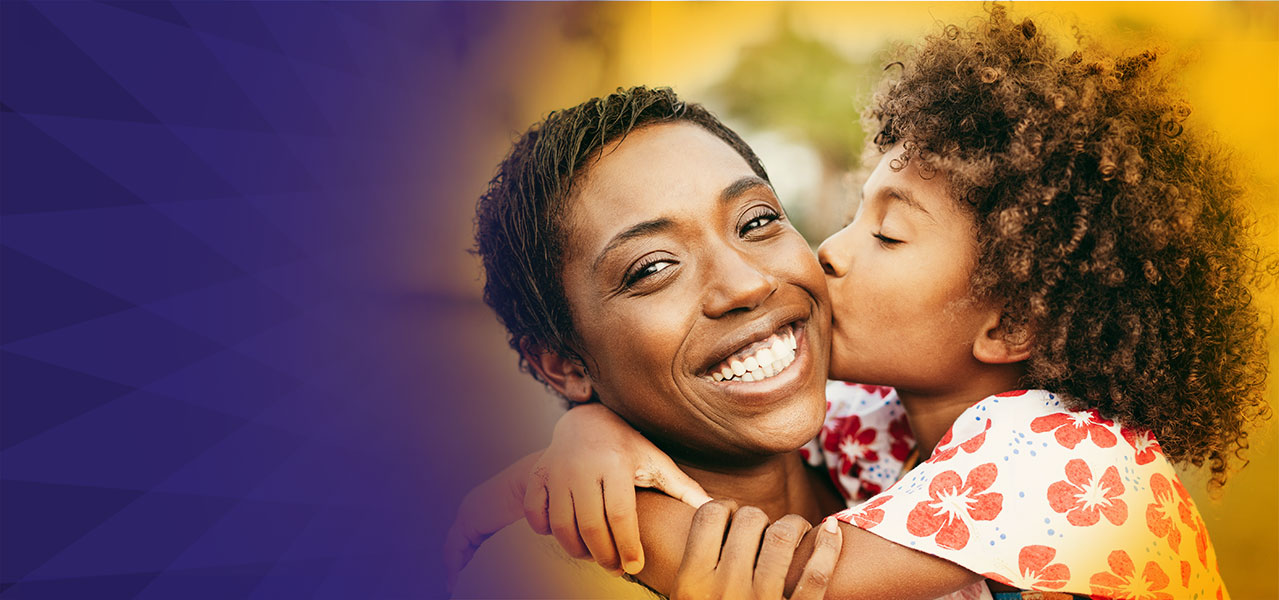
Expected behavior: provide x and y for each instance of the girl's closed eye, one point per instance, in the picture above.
(885, 240)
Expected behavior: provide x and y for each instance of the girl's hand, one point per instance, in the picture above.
(582, 489)
(753, 560)
(484, 511)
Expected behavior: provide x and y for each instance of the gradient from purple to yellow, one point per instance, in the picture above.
(244, 354)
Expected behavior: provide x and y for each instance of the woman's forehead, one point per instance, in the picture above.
(670, 170)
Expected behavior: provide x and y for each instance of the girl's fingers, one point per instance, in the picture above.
(775, 554)
(619, 506)
(536, 505)
(588, 508)
(663, 474)
(821, 565)
(564, 524)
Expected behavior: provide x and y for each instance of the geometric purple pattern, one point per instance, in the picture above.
(204, 389)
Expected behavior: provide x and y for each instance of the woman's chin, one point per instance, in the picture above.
(790, 431)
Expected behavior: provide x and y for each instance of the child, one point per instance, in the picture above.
(1050, 273)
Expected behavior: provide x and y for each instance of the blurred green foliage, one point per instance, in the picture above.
(812, 94)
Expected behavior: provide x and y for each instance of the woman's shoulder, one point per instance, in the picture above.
(518, 563)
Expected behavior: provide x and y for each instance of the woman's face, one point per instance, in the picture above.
(680, 267)
(899, 283)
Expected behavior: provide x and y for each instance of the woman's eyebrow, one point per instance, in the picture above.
(741, 186)
(639, 229)
(728, 194)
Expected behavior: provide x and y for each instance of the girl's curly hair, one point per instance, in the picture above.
(1113, 232)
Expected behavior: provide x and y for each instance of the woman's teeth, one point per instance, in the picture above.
(773, 356)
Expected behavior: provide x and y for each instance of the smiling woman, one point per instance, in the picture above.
(635, 249)
(680, 258)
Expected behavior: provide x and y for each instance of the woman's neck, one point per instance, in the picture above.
(931, 414)
(779, 485)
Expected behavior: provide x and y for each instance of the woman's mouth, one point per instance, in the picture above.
(758, 361)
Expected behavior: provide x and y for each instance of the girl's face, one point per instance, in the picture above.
(899, 282)
(680, 265)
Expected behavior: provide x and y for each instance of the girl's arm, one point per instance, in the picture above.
(868, 566)
(484, 511)
(582, 489)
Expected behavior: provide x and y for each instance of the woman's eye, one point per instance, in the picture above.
(759, 220)
(885, 240)
(647, 269)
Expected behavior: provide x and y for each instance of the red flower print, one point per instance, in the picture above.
(847, 437)
(869, 488)
(1072, 427)
(878, 390)
(939, 454)
(1143, 442)
(1034, 572)
(869, 514)
(1185, 574)
(803, 453)
(1084, 500)
(970, 446)
(1201, 543)
(1122, 580)
(1159, 513)
(903, 438)
(976, 441)
(1011, 394)
(953, 502)
(1186, 511)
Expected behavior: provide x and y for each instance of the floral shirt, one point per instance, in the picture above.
(1025, 492)
(865, 441)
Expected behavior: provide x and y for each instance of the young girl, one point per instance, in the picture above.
(1049, 274)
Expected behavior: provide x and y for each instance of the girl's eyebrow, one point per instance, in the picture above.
(905, 197)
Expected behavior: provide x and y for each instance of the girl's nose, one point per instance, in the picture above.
(833, 253)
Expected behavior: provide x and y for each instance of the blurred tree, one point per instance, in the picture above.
(809, 92)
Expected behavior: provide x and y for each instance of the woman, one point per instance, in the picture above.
(601, 203)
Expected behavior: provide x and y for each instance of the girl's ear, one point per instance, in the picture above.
(566, 376)
(996, 344)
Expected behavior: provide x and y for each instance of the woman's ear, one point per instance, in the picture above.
(996, 344)
(566, 376)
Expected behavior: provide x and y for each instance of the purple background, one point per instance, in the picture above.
(220, 377)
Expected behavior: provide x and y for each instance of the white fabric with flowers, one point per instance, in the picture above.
(1025, 492)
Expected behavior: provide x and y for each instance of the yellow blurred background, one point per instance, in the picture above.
(792, 78)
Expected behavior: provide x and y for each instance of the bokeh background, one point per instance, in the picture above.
(244, 351)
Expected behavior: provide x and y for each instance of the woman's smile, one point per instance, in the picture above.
(764, 370)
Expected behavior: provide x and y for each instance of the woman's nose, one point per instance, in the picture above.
(833, 253)
(737, 282)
